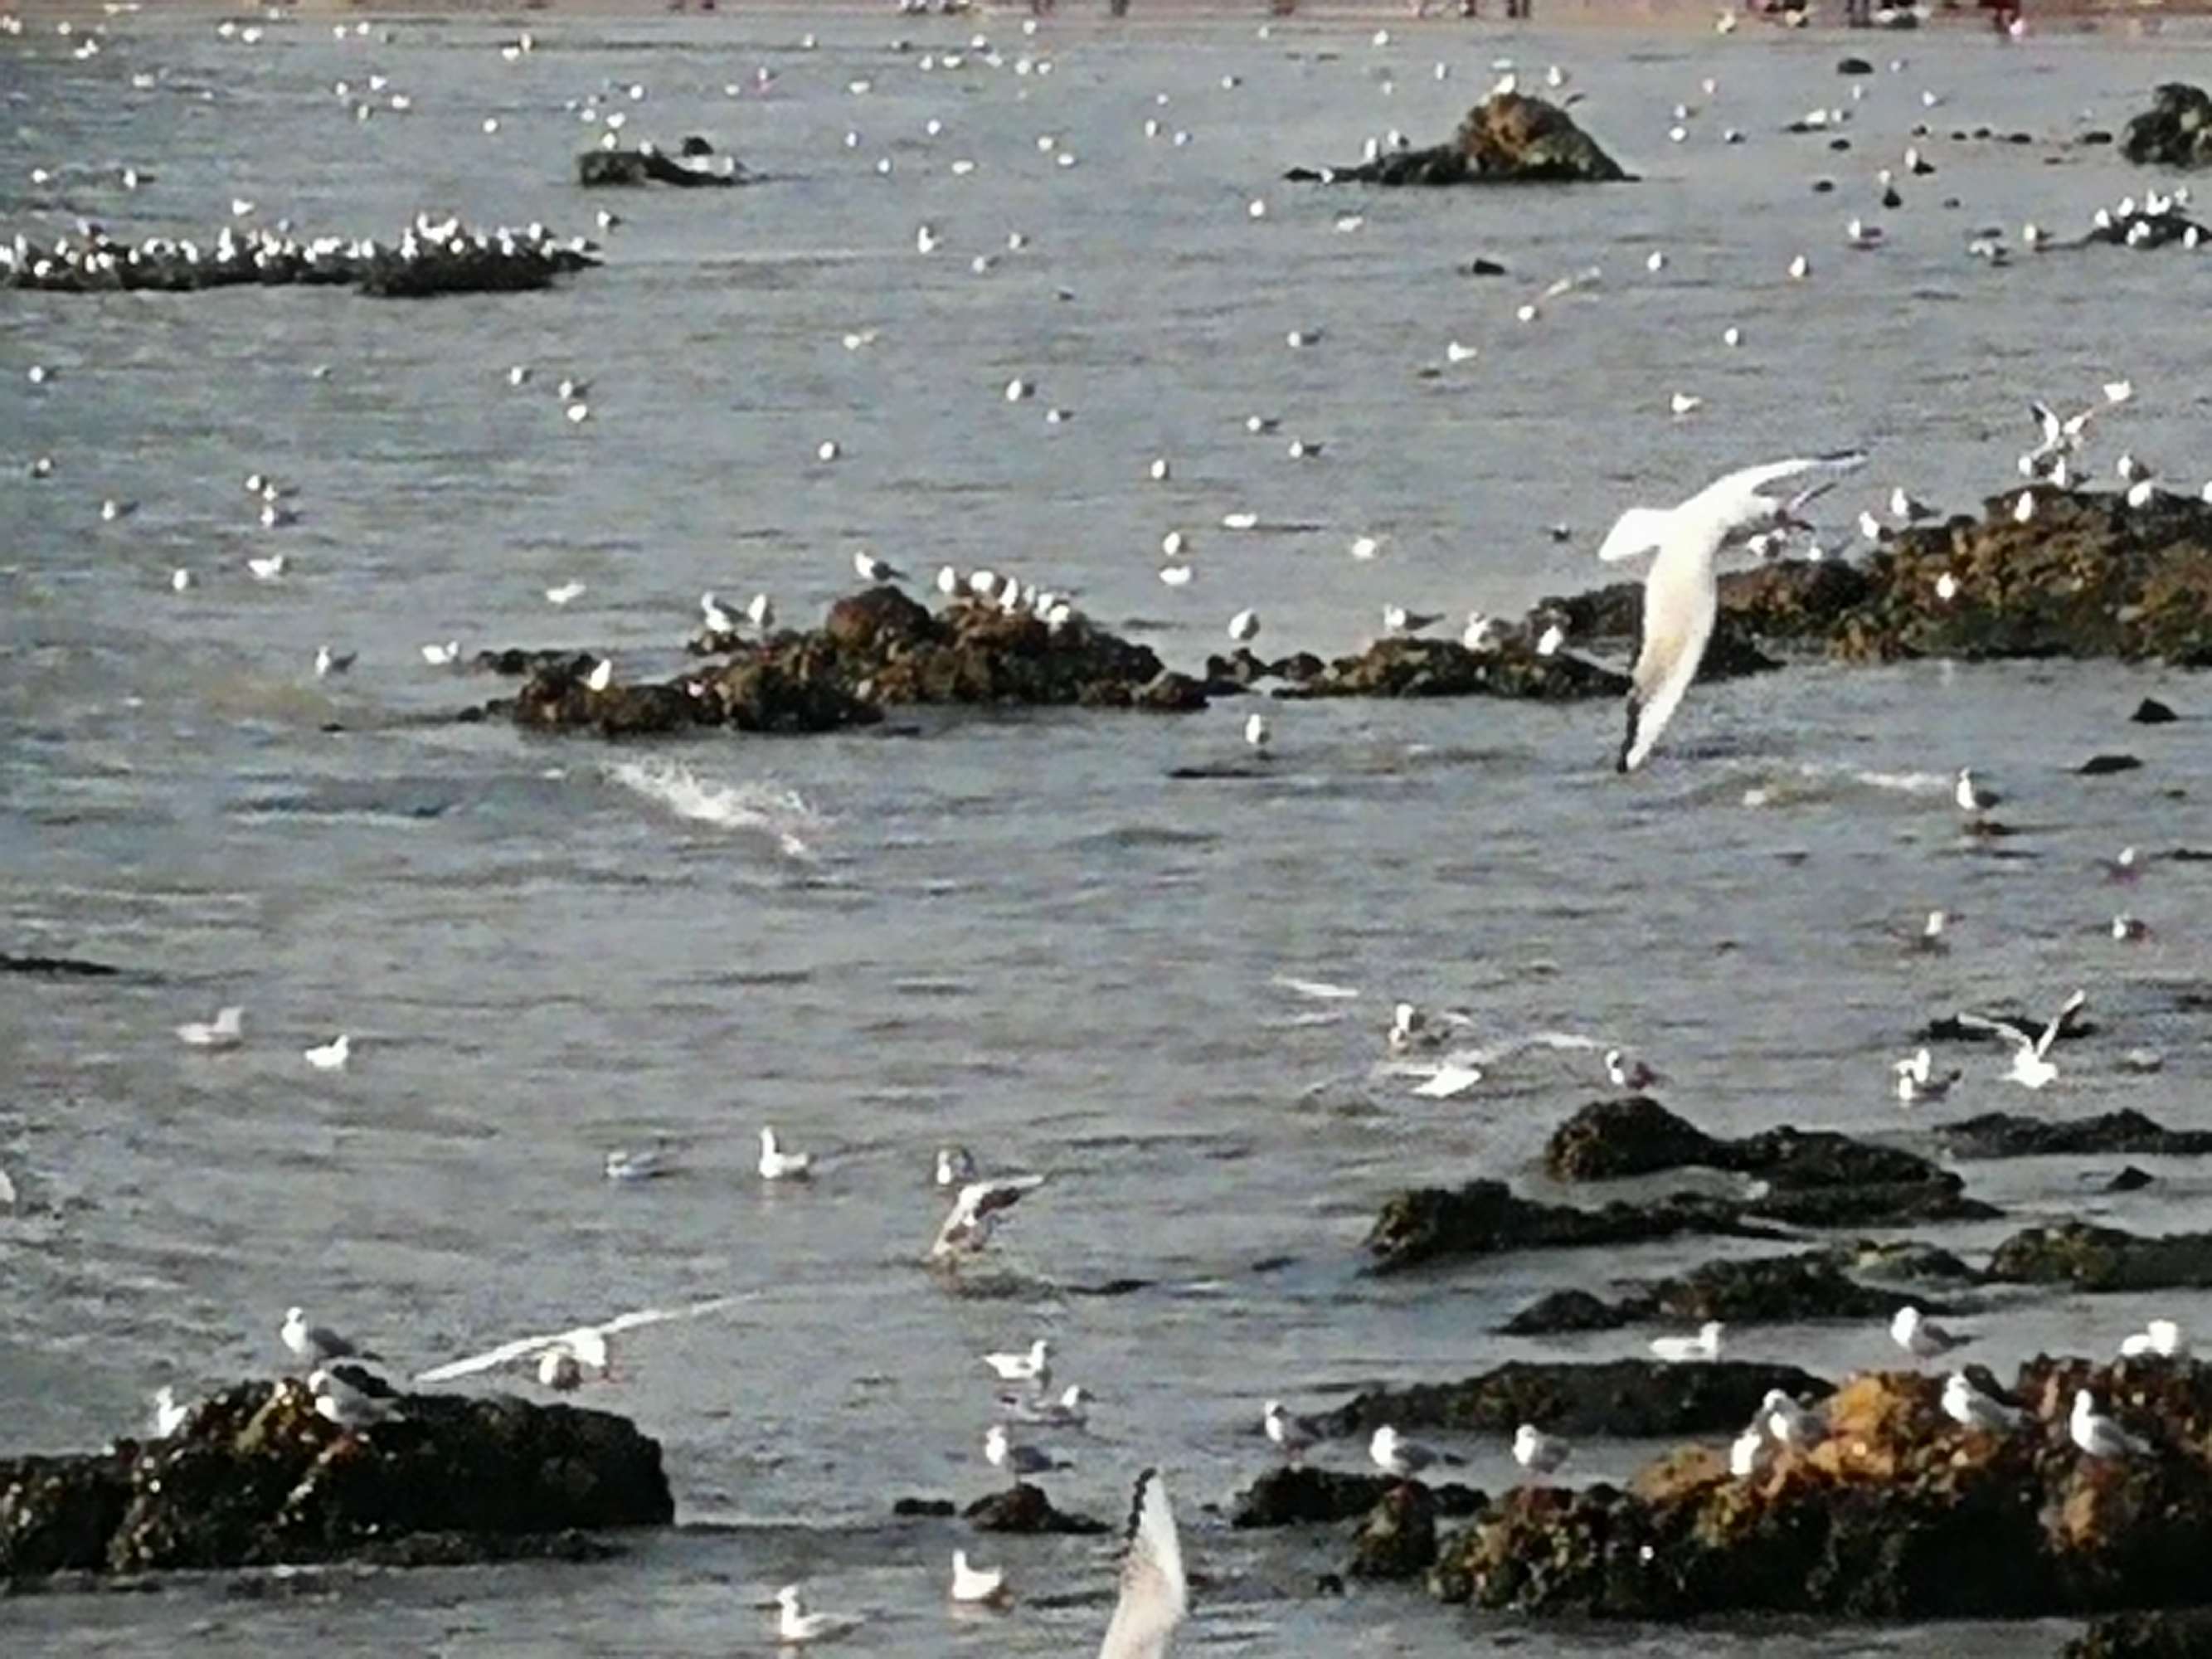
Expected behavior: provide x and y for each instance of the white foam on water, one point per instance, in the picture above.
(780, 813)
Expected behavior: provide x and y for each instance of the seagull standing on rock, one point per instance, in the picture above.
(1966, 1405)
(870, 568)
(1538, 1452)
(318, 1344)
(1680, 598)
(1921, 1337)
(1393, 1454)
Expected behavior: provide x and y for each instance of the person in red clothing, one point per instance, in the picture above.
(2004, 14)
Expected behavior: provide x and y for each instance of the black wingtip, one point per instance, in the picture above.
(1145, 1479)
(1628, 739)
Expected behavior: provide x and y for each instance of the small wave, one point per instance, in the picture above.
(779, 812)
(1905, 783)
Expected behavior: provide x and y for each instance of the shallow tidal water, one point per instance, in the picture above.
(1010, 930)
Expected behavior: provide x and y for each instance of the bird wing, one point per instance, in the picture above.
(977, 1200)
(2047, 419)
(1639, 530)
(2071, 1007)
(2004, 1028)
(1154, 1594)
(1680, 603)
(523, 1347)
(1735, 490)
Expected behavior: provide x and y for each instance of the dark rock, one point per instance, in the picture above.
(1508, 139)
(2007, 1135)
(1631, 1399)
(514, 662)
(1398, 1540)
(1025, 1509)
(1853, 66)
(56, 967)
(1484, 1218)
(1401, 667)
(1950, 1028)
(2130, 1180)
(254, 1477)
(647, 164)
(1481, 267)
(1790, 600)
(2175, 132)
(1762, 1290)
(2172, 1633)
(1295, 1495)
(1871, 1204)
(911, 1508)
(2151, 712)
(1637, 1136)
(2097, 766)
(2091, 1258)
(1898, 1513)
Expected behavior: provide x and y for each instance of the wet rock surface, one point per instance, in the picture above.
(1025, 1509)
(1300, 1495)
(647, 164)
(1609, 1138)
(1484, 1218)
(1508, 139)
(2093, 1258)
(424, 261)
(2008, 1135)
(874, 649)
(1632, 1399)
(2175, 132)
(255, 1477)
(1898, 1512)
(1446, 668)
(2177, 1633)
(1764, 1289)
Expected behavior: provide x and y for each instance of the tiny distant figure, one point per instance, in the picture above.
(2005, 16)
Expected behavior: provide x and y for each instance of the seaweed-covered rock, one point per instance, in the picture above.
(2175, 132)
(1898, 1512)
(1790, 599)
(2008, 1135)
(1024, 1508)
(254, 1476)
(1637, 1136)
(1632, 1399)
(1484, 1218)
(1398, 1539)
(1508, 139)
(1298, 1495)
(2170, 1633)
(1400, 668)
(2092, 1258)
(1762, 1290)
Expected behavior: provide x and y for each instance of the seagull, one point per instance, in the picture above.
(2099, 1435)
(1160, 469)
(827, 450)
(1176, 575)
(442, 656)
(1970, 796)
(761, 612)
(1916, 1081)
(226, 1030)
(319, 1344)
(2159, 1337)
(975, 1214)
(1743, 1454)
(1244, 625)
(562, 594)
(647, 1164)
(1624, 1073)
(1257, 733)
(1538, 1452)
(1787, 1422)
(1002, 1452)
(1683, 404)
(1366, 547)
(795, 1625)
(344, 1404)
(1705, 1344)
(2031, 1066)
(329, 662)
(984, 1586)
(1295, 1435)
(1071, 1409)
(778, 1165)
(168, 1415)
(1393, 1453)
(1965, 1404)
(956, 1165)
(1680, 598)
(870, 568)
(267, 569)
(331, 1057)
(1922, 1338)
(1549, 641)
(2126, 927)
(559, 1369)
(1396, 619)
(602, 675)
(1033, 1366)
(1154, 1597)
(718, 621)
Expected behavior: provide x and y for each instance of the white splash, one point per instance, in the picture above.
(774, 811)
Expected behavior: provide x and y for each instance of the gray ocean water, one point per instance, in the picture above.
(1010, 931)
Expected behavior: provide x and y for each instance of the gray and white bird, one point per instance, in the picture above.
(342, 1402)
(974, 1586)
(955, 1166)
(2032, 1068)
(1393, 1454)
(870, 568)
(1921, 1337)
(1002, 1451)
(777, 1164)
(1966, 1405)
(1155, 1597)
(1032, 1365)
(1970, 796)
(975, 1214)
(1787, 1423)
(1683, 1350)
(226, 1030)
(1917, 1080)
(2100, 1435)
(1538, 1452)
(318, 1344)
(1294, 1435)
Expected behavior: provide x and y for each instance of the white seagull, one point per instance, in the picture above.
(1294, 1434)
(1922, 1338)
(1002, 1451)
(442, 656)
(341, 1402)
(1034, 1366)
(1789, 1423)
(1966, 1405)
(317, 1343)
(2159, 1337)
(795, 1625)
(1679, 597)
(226, 1030)
(331, 1057)
(777, 1165)
(1970, 796)
(978, 1586)
(1538, 1452)
(2031, 1065)
(2099, 1435)
(1155, 1597)
(1676, 1350)
(1393, 1454)
(168, 1415)
(975, 1214)
(870, 568)
(1917, 1079)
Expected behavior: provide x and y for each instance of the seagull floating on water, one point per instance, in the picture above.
(1625, 1073)
(1678, 1349)
(975, 1214)
(1002, 1451)
(795, 1625)
(1917, 1079)
(978, 1586)
(2031, 1065)
(226, 1030)
(1538, 1452)
(331, 1057)
(442, 656)
(777, 1165)
(1034, 1366)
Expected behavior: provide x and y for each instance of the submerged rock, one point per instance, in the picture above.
(2175, 132)
(1897, 1513)
(2092, 1258)
(255, 1477)
(1764, 1290)
(2008, 1134)
(1398, 1540)
(1297, 1495)
(1025, 1509)
(1632, 1399)
(1399, 667)
(1508, 139)
(648, 165)
(1484, 1218)
(1638, 1136)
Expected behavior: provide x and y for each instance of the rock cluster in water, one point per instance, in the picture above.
(2175, 132)
(1508, 139)
(697, 168)
(427, 259)
(254, 1477)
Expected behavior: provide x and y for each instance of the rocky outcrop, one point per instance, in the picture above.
(425, 261)
(1445, 668)
(1898, 1512)
(1791, 599)
(1298, 1495)
(875, 649)
(1025, 1509)
(1508, 139)
(254, 1477)
(1484, 1218)
(2175, 132)
(1629, 1399)
(1764, 1289)
(2008, 1134)
(2175, 1633)
(2092, 1258)
(648, 164)
(1398, 1539)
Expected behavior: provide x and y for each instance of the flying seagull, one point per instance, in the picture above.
(975, 1214)
(1679, 599)
(1154, 1597)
